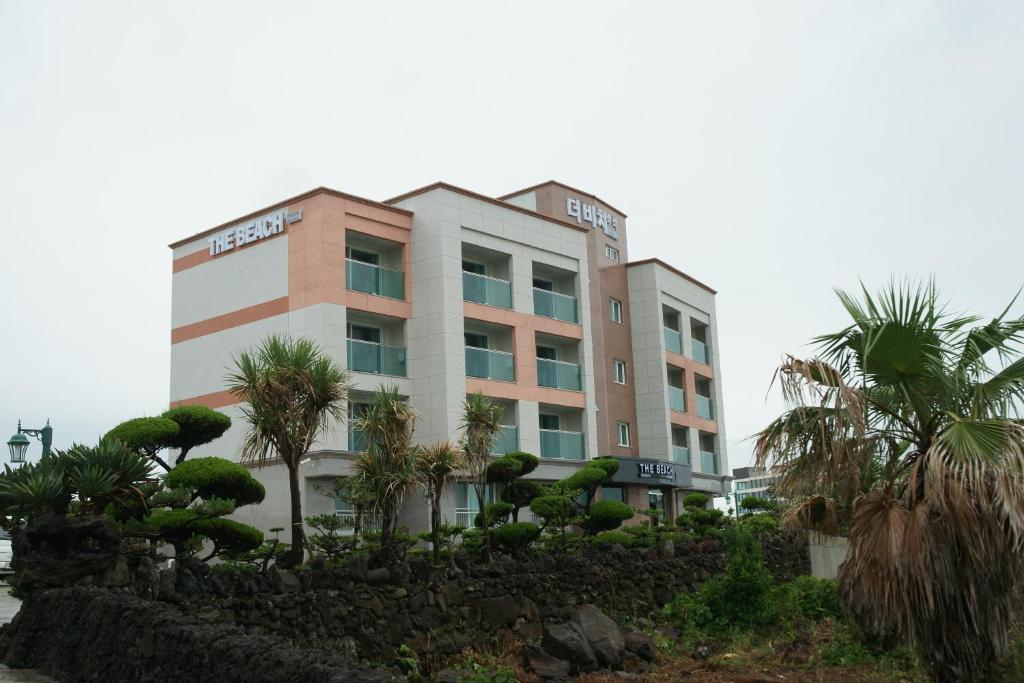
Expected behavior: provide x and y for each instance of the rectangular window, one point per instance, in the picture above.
(623, 433)
(363, 256)
(471, 267)
(611, 252)
(619, 371)
(613, 493)
(615, 310)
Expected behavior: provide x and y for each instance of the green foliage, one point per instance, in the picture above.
(479, 673)
(493, 514)
(146, 435)
(329, 540)
(585, 479)
(197, 425)
(643, 535)
(554, 510)
(760, 523)
(617, 537)
(260, 558)
(408, 661)
(216, 477)
(515, 537)
(741, 599)
(698, 500)
(606, 515)
(228, 535)
(523, 493)
(751, 503)
(815, 599)
(699, 521)
(609, 465)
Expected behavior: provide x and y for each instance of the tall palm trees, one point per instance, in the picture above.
(290, 394)
(435, 465)
(903, 427)
(384, 472)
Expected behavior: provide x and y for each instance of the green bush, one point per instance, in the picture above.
(146, 435)
(197, 425)
(493, 514)
(607, 515)
(617, 537)
(609, 465)
(216, 477)
(758, 524)
(228, 535)
(740, 599)
(554, 510)
(585, 478)
(515, 537)
(700, 521)
(528, 462)
(643, 535)
(697, 500)
(815, 599)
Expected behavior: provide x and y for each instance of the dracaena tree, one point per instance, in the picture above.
(291, 395)
(481, 423)
(904, 432)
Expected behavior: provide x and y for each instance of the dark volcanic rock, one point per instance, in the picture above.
(603, 634)
(567, 641)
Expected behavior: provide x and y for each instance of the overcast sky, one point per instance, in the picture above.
(772, 150)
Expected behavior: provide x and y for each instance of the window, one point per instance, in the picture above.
(363, 256)
(611, 252)
(364, 333)
(471, 267)
(547, 352)
(546, 285)
(550, 422)
(466, 504)
(613, 493)
(623, 433)
(619, 371)
(615, 310)
(475, 340)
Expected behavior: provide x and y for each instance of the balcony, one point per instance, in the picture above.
(707, 462)
(705, 407)
(377, 359)
(563, 445)
(488, 364)
(366, 277)
(701, 352)
(507, 441)
(554, 305)
(676, 399)
(680, 454)
(558, 374)
(489, 291)
(673, 341)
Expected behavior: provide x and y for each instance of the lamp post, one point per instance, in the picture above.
(18, 443)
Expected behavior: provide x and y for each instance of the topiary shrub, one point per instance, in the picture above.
(493, 514)
(197, 425)
(606, 515)
(216, 478)
(146, 436)
(554, 510)
(760, 524)
(515, 537)
(508, 470)
(695, 500)
(616, 537)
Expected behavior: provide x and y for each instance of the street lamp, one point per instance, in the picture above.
(18, 444)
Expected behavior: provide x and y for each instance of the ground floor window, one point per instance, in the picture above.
(615, 493)
(656, 501)
(466, 504)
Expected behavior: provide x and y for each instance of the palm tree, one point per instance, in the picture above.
(434, 465)
(904, 428)
(291, 394)
(481, 422)
(384, 472)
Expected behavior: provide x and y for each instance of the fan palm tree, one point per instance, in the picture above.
(384, 472)
(434, 465)
(904, 430)
(481, 423)
(291, 394)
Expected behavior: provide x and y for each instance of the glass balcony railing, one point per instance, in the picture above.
(486, 290)
(488, 364)
(680, 454)
(366, 277)
(707, 462)
(676, 399)
(554, 305)
(701, 352)
(558, 374)
(507, 441)
(378, 359)
(356, 440)
(673, 341)
(705, 407)
(559, 444)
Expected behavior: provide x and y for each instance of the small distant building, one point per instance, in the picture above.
(758, 482)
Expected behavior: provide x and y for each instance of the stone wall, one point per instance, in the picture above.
(93, 634)
(372, 611)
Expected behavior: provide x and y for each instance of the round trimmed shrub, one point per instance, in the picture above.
(607, 515)
(216, 478)
(502, 470)
(617, 537)
(609, 465)
(554, 508)
(196, 425)
(528, 462)
(760, 523)
(228, 535)
(145, 434)
(695, 500)
(494, 513)
(585, 478)
(515, 537)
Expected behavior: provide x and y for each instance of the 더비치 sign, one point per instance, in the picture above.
(589, 213)
(244, 233)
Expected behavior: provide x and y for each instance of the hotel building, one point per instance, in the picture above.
(528, 298)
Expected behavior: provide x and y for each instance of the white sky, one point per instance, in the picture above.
(772, 150)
